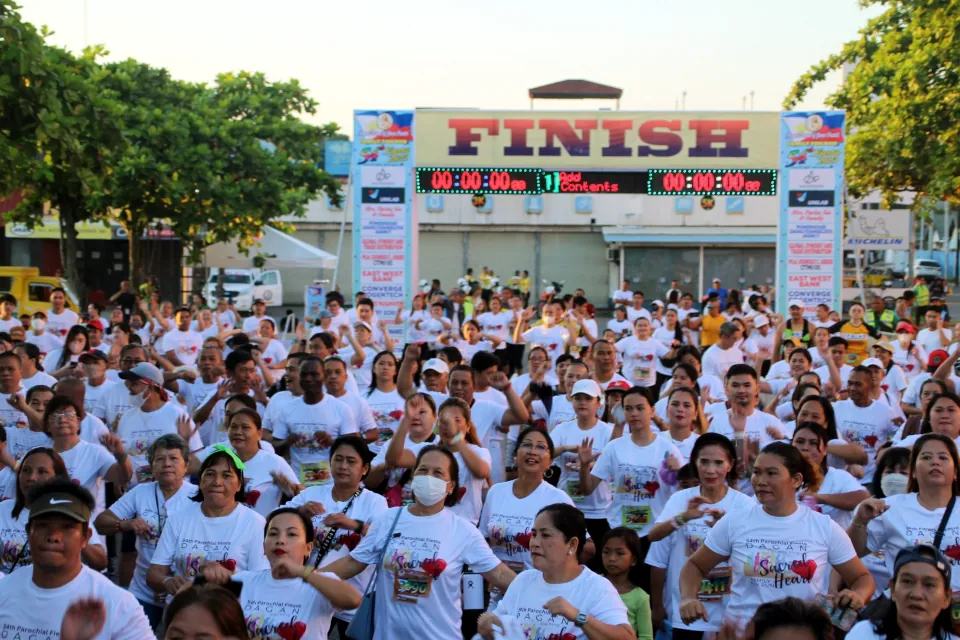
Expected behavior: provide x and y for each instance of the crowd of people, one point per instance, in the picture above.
(698, 467)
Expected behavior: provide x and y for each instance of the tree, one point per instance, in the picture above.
(59, 131)
(902, 100)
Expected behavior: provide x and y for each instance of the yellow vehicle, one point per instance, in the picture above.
(32, 290)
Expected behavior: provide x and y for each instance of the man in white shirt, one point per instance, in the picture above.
(636, 310)
(53, 593)
(718, 359)
(623, 295)
(838, 350)
(8, 305)
(95, 378)
(60, 319)
(761, 340)
(182, 346)
(251, 324)
(605, 364)
(863, 420)
(30, 367)
(549, 334)
(45, 340)
(933, 336)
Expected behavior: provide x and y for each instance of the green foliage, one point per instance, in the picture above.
(902, 100)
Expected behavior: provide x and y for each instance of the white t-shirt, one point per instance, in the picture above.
(191, 539)
(755, 429)
(596, 504)
(864, 630)
(387, 410)
(112, 404)
(423, 550)
(14, 550)
(268, 604)
(684, 446)
(410, 317)
(667, 337)
(10, 417)
(716, 361)
(262, 492)
(88, 464)
(278, 402)
(838, 481)
(633, 314)
(779, 370)
(193, 394)
(252, 323)
(561, 410)
(363, 372)
(588, 593)
(60, 323)
(431, 329)
(553, 339)
(146, 501)
(45, 342)
(911, 364)
(185, 345)
(824, 374)
(274, 354)
(39, 378)
(622, 297)
(622, 328)
(22, 440)
(496, 324)
(366, 507)
(51, 361)
(671, 553)
(310, 460)
(506, 520)
(39, 612)
(870, 427)
(471, 502)
(930, 340)
(139, 429)
(362, 411)
(468, 350)
(774, 558)
(640, 358)
(91, 395)
(907, 523)
(634, 473)
(92, 429)
(394, 475)
(214, 430)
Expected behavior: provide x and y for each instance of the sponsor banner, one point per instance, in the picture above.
(809, 238)
(878, 229)
(384, 222)
(596, 139)
(49, 229)
(336, 157)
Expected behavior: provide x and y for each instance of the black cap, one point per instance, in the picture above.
(927, 554)
(93, 354)
(64, 504)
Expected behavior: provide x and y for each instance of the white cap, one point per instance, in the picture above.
(363, 323)
(436, 364)
(673, 306)
(658, 304)
(760, 320)
(716, 280)
(872, 362)
(797, 303)
(589, 387)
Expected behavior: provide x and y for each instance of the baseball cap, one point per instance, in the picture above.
(325, 314)
(60, 503)
(588, 387)
(143, 371)
(93, 354)
(716, 280)
(797, 342)
(657, 303)
(937, 357)
(872, 362)
(259, 301)
(796, 303)
(924, 553)
(883, 344)
(617, 385)
(905, 326)
(761, 321)
(436, 364)
(95, 324)
(364, 324)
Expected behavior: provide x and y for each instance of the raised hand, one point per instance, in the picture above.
(83, 620)
(286, 567)
(585, 452)
(311, 509)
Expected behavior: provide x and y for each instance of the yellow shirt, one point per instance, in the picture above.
(710, 329)
(524, 285)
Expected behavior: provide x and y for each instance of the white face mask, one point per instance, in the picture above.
(429, 490)
(37, 324)
(137, 399)
(894, 484)
(549, 320)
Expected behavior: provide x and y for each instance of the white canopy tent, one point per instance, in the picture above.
(281, 250)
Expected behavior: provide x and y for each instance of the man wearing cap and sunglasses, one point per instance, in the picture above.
(57, 594)
(182, 345)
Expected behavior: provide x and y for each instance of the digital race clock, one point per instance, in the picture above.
(470, 180)
(716, 182)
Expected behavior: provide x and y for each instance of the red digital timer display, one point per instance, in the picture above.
(719, 182)
(469, 180)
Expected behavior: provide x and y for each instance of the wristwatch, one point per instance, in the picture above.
(360, 525)
(581, 619)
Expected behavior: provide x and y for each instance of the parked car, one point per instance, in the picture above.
(243, 286)
(927, 269)
(32, 290)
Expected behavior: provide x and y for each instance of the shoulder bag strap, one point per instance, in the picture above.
(327, 541)
(943, 523)
(376, 571)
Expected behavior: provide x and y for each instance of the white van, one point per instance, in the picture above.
(244, 286)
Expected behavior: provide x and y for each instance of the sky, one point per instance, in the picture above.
(468, 54)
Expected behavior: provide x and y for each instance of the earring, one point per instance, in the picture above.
(569, 552)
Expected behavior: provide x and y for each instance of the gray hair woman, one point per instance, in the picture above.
(144, 511)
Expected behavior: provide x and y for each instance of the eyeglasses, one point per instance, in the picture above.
(133, 361)
(63, 415)
(539, 448)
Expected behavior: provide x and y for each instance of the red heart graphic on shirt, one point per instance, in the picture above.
(62, 332)
(952, 552)
(523, 539)
(230, 564)
(396, 414)
(870, 440)
(909, 367)
(651, 487)
(463, 492)
(291, 630)
(252, 497)
(552, 347)
(804, 569)
(885, 387)
(268, 360)
(351, 540)
(434, 567)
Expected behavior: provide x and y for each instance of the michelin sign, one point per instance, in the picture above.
(878, 229)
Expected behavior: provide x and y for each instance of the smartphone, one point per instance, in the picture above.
(842, 617)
